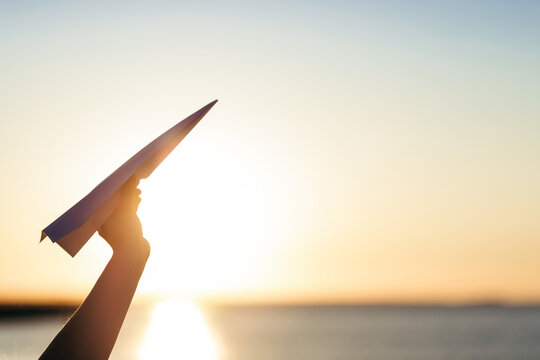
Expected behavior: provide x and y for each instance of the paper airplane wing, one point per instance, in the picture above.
(73, 228)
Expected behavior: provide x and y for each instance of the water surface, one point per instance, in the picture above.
(177, 330)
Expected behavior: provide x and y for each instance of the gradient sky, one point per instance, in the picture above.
(359, 151)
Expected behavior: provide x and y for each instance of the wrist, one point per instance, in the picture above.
(136, 250)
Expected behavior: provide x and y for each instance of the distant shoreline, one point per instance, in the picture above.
(8, 311)
(20, 311)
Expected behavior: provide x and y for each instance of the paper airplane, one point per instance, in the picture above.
(75, 227)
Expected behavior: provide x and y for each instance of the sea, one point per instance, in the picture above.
(185, 330)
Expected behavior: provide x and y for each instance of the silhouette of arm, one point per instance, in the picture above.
(93, 329)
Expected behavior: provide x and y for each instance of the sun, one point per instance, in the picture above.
(209, 215)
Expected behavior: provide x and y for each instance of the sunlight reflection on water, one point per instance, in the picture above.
(178, 330)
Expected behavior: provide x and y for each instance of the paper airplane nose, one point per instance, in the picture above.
(75, 227)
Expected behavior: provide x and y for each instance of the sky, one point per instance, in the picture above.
(360, 151)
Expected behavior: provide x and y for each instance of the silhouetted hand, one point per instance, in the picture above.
(123, 229)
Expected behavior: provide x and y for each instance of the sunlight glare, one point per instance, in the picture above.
(209, 214)
(178, 330)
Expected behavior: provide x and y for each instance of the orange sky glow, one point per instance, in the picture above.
(354, 155)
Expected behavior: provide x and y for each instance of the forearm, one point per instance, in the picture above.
(92, 331)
